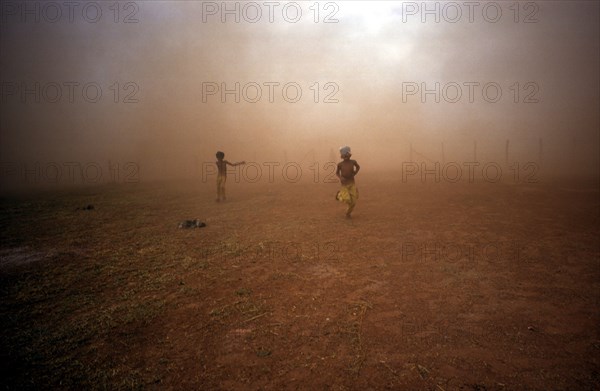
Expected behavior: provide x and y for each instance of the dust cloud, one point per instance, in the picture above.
(151, 90)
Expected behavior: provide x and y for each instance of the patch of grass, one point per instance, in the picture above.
(221, 312)
(284, 276)
(249, 307)
(243, 292)
(261, 352)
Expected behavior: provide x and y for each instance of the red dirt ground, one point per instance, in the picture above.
(433, 286)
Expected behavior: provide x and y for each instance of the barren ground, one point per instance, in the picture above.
(429, 287)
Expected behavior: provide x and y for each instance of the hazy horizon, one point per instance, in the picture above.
(167, 62)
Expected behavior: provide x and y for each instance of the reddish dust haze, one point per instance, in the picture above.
(152, 90)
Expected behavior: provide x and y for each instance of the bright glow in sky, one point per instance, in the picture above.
(371, 16)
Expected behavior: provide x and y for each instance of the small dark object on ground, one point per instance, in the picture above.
(88, 207)
(192, 224)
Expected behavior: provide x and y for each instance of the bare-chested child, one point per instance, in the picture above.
(346, 171)
(222, 174)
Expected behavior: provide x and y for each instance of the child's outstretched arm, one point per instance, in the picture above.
(236, 164)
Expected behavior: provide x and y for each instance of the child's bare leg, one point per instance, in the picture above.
(220, 189)
(351, 206)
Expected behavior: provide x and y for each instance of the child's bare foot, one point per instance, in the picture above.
(348, 216)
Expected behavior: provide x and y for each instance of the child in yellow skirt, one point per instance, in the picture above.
(346, 171)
